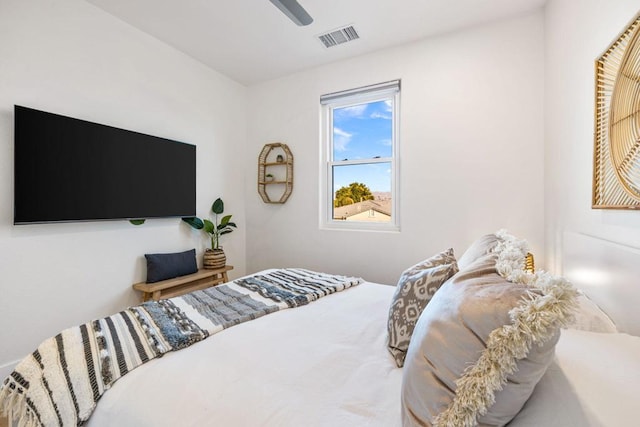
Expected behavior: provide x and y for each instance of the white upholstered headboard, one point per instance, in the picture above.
(609, 273)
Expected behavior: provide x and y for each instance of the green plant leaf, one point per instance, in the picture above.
(208, 226)
(194, 222)
(137, 221)
(218, 206)
(227, 226)
(224, 221)
(226, 231)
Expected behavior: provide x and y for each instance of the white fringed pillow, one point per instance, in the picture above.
(590, 317)
(484, 341)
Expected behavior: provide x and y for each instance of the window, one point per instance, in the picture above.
(359, 158)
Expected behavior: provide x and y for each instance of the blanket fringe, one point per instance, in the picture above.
(13, 405)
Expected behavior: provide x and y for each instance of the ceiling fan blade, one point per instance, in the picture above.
(294, 11)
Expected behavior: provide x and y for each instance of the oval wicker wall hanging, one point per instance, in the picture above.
(616, 168)
(275, 173)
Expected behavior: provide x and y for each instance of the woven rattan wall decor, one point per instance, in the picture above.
(275, 173)
(616, 160)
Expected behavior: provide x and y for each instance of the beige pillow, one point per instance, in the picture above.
(484, 341)
(415, 289)
(478, 249)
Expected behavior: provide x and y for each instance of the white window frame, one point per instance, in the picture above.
(378, 92)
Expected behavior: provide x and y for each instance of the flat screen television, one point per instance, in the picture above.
(67, 169)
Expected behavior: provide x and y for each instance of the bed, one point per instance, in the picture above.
(327, 364)
(339, 373)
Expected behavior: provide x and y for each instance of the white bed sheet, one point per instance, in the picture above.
(593, 382)
(326, 364)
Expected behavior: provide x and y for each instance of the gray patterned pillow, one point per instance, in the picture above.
(416, 287)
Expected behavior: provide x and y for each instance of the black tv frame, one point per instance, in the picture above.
(72, 170)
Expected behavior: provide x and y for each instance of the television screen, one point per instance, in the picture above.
(73, 170)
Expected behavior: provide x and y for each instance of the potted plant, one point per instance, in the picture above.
(268, 177)
(214, 257)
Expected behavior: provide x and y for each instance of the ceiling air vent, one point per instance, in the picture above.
(339, 36)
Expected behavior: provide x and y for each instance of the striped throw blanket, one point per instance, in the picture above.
(60, 383)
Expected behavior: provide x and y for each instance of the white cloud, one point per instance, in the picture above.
(388, 105)
(376, 115)
(341, 139)
(356, 111)
(386, 142)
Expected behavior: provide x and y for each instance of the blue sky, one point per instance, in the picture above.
(363, 131)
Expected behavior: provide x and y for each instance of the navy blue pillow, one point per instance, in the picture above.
(167, 266)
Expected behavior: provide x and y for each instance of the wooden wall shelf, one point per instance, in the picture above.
(282, 172)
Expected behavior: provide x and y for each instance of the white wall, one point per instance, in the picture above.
(69, 57)
(578, 32)
(471, 148)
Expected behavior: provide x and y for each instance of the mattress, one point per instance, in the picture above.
(326, 364)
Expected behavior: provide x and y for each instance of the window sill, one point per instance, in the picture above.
(359, 226)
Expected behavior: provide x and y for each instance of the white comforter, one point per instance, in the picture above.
(326, 364)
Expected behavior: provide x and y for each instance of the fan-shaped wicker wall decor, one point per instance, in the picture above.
(616, 165)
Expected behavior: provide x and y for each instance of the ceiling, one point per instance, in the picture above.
(251, 41)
